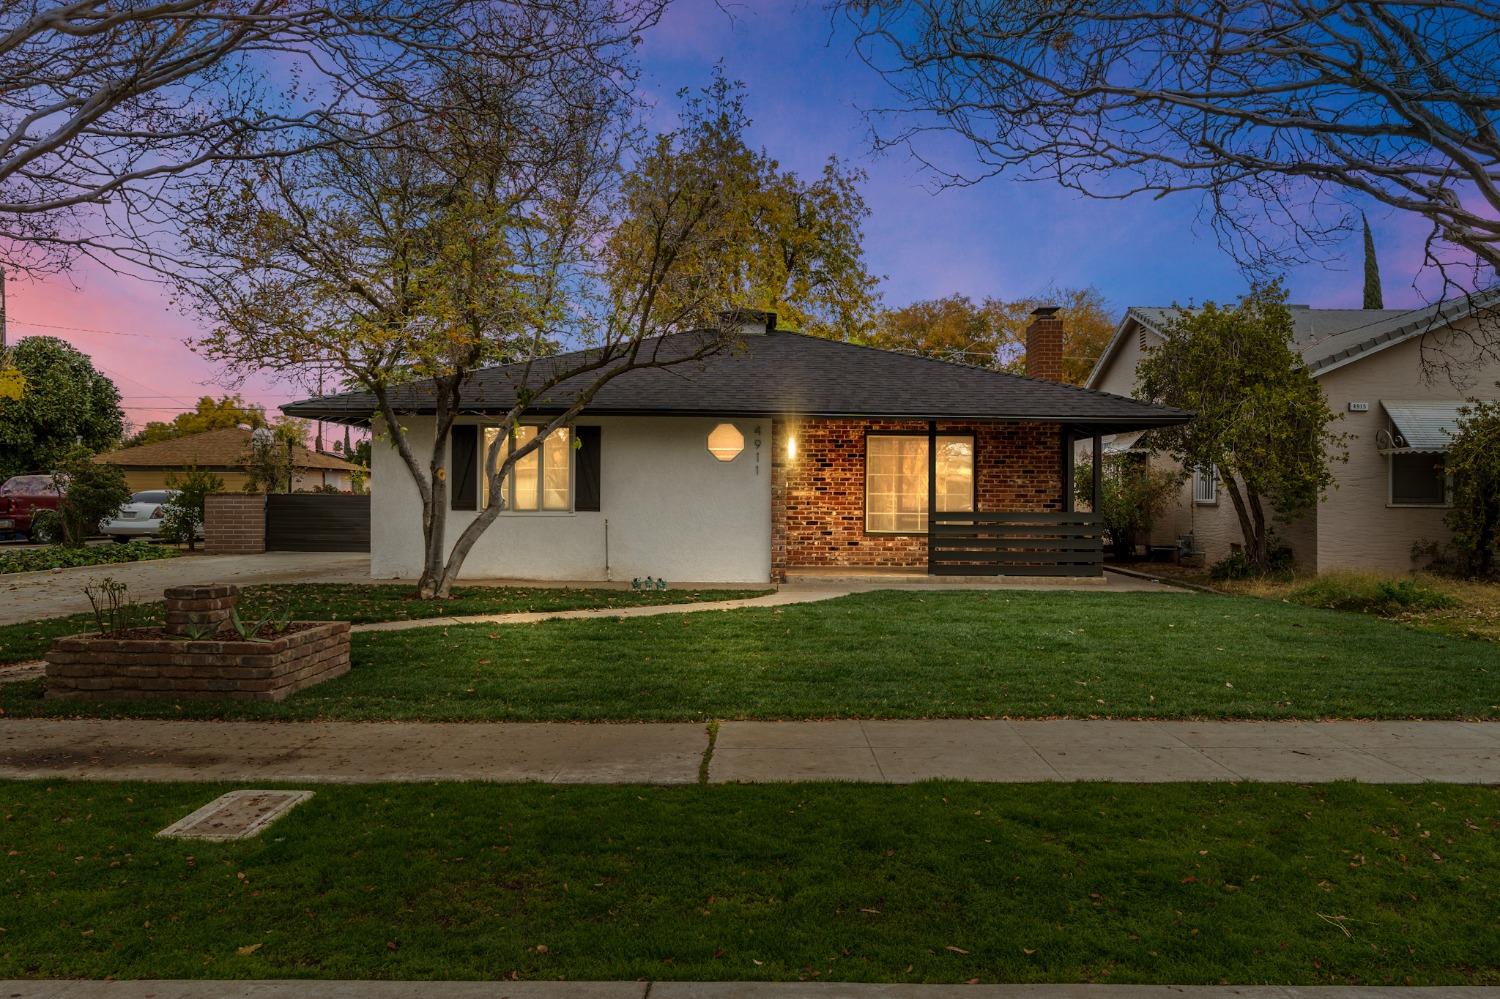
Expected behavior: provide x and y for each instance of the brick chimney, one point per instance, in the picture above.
(1044, 344)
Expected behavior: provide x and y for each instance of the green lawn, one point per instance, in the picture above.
(899, 655)
(361, 602)
(1333, 884)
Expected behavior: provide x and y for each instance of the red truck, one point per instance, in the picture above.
(20, 497)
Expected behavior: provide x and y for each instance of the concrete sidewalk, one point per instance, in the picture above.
(700, 990)
(871, 751)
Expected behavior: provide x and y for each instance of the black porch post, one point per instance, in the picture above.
(1067, 469)
(1098, 471)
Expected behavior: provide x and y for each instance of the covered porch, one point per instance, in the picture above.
(907, 499)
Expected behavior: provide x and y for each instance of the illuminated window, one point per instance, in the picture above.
(725, 442)
(896, 481)
(540, 480)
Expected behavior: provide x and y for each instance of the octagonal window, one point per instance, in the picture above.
(725, 442)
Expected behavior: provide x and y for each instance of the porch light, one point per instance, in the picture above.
(791, 448)
(725, 442)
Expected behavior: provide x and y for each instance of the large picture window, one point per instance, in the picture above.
(896, 479)
(542, 480)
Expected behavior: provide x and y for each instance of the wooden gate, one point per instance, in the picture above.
(317, 522)
(1015, 544)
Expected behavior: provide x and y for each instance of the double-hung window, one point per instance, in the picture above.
(540, 480)
(896, 480)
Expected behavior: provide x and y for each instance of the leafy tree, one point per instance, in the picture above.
(1131, 494)
(183, 514)
(1261, 419)
(67, 402)
(489, 234)
(91, 493)
(1374, 298)
(1474, 463)
(796, 244)
(270, 460)
(209, 414)
(992, 332)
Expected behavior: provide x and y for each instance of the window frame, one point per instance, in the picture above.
(1390, 483)
(931, 436)
(482, 452)
(1209, 497)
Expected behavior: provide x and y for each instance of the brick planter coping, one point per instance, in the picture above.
(90, 667)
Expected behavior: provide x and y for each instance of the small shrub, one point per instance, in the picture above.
(91, 494)
(114, 611)
(1239, 566)
(183, 512)
(1377, 595)
(46, 527)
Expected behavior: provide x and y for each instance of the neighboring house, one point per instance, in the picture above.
(783, 453)
(222, 452)
(1393, 491)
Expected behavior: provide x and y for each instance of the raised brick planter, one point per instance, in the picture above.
(88, 667)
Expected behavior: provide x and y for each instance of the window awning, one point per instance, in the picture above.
(1423, 425)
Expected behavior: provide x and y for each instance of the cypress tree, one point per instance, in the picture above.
(1373, 298)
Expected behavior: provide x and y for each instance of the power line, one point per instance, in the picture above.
(88, 329)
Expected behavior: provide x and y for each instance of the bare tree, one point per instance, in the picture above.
(104, 106)
(1283, 114)
(486, 236)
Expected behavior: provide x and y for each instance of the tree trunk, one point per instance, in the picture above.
(1251, 527)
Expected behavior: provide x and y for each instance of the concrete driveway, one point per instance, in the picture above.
(25, 596)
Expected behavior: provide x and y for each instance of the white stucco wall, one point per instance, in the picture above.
(673, 511)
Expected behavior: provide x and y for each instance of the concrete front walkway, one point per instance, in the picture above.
(871, 751)
(701, 990)
(777, 598)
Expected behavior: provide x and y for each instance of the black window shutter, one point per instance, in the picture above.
(465, 466)
(586, 491)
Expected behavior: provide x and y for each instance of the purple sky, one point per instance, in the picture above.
(806, 92)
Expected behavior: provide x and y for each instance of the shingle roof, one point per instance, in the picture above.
(775, 373)
(214, 449)
(1330, 338)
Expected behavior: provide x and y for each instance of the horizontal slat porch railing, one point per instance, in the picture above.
(1015, 544)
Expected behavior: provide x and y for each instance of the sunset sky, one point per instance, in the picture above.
(806, 91)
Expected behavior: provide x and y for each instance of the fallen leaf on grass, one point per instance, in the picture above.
(955, 950)
(248, 949)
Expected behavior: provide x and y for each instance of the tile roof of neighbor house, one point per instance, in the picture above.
(1330, 338)
(214, 449)
(779, 372)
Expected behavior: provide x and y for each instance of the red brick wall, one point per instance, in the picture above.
(234, 524)
(818, 497)
(1044, 348)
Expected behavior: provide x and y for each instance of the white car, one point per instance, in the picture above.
(141, 517)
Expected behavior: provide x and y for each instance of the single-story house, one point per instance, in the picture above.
(784, 452)
(224, 453)
(1393, 491)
